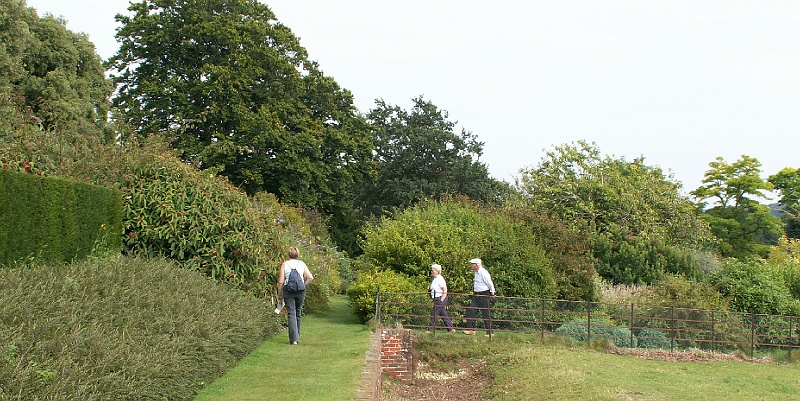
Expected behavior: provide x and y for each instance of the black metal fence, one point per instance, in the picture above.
(629, 325)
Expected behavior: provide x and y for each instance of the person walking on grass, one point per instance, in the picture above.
(482, 289)
(438, 291)
(293, 298)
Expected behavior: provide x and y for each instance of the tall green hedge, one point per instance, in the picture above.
(56, 220)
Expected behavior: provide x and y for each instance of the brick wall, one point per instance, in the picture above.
(396, 354)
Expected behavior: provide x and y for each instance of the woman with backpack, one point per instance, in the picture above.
(293, 278)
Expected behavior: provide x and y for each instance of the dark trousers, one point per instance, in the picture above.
(440, 309)
(294, 308)
(479, 302)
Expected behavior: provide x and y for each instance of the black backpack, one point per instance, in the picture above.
(295, 282)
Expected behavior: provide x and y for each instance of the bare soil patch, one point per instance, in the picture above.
(465, 382)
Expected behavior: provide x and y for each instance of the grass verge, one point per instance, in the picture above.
(325, 366)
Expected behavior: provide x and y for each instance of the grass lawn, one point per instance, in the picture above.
(326, 365)
(557, 371)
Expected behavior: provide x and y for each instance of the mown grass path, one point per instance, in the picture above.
(326, 365)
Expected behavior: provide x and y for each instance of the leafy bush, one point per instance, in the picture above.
(652, 338)
(451, 232)
(630, 259)
(681, 292)
(602, 328)
(121, 329)
(363, 291)
(754, 287)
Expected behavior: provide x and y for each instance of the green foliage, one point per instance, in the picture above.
(56, 220)
(576, 185)
(203, 223)
(652, 338)
(237, 93)
(601, 328)
(640, 225)
(680, 292)
(787, 182)
(784, 258)
(121, 328)
(754, 286)
(420, 156)
(362, 293)
(451, 232)
(53, 72)
(742, 224)
(628, 259)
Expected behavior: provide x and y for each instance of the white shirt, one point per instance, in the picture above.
(437, 285)
(297, 264)
(482, 281)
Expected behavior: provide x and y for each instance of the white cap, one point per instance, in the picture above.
(476, 261)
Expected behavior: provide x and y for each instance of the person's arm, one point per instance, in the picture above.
(307, 276)
(488, 279)
(281, 274)
(444, 292)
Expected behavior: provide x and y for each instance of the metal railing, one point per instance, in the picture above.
(630, 325)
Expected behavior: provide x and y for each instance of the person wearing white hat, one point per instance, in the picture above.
(482, 289)
(438, 291)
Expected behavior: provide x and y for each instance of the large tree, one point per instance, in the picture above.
(787, 182)
(419, 155)
(232, 89)
(640, 225)
(52, 73)
(745, 226)
(576, 184)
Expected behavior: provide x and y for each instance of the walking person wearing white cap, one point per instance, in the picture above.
(482, 289)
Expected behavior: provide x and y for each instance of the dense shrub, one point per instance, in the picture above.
(753, 286)
(516, 251)
(362, 293)
(54, 219)
(121, 329)
(602, 328)
(635, 259)
(680, 292)
(652, 338)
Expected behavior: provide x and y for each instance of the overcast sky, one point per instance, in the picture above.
(678, 82)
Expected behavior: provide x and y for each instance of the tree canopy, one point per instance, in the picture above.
(745, 227)
(419, 155)
(640, 226)
(232, 88)
(52, 72)
(787, 182)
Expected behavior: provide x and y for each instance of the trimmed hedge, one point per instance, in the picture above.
(56, 220)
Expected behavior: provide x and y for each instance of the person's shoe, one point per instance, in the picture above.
(469, 332)
(294, 343)
(451, 331)
(487, 335)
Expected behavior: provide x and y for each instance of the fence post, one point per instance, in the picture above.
(712, 331)
(631, 326)
(791, 342)
(752, 333)
(378, 308)
(588, 323)
(672, 331)
(542, 324)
